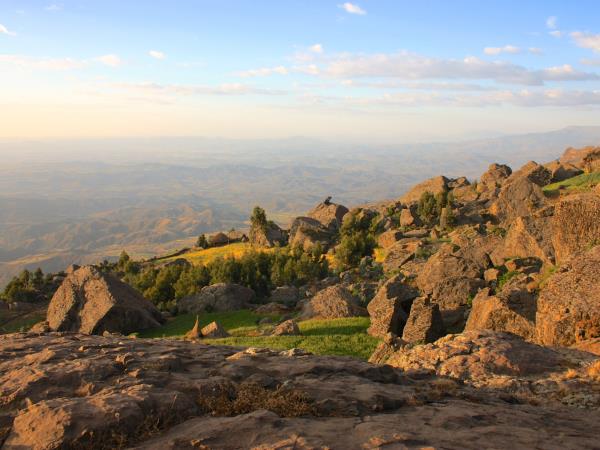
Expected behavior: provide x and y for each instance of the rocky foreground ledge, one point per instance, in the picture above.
(71, 391)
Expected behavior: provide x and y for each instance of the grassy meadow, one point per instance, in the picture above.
(204, 256)
(580, 183)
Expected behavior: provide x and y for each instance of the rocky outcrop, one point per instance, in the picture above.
(333, 302)
(518, 197)
(527, 236)
(409, 217)
(434, 185)
(534, 172)
(587, 158)
(568, 307)
(494, 177)
(218, 297)
(218, 239)
(74, 391)
(286, 328)
(561, 172)
(424, 324)
(269, 235)
(288, 295)
(214, 330)
(91, 302)
(389, 238)
(330, 215)
(390, 307)
(400, 253)
(306, 232)
(576, 224)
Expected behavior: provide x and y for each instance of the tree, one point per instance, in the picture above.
(258, 219)
(427, 208)
(202, 242)
(357, 239)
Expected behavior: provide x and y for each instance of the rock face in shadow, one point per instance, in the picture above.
(334, 302)
(568, 307)
(218, 297)
(76, 391)
(390, 307)
(91, 302)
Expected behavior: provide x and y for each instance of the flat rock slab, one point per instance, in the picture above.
(61, 390)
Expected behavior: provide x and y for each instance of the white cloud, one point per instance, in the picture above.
(497, 50)
(109, 60)
(535, 51)
(587, 40)
(53, 7)
(551, 22)
(29, 63)
(4, 30)
(556, 33)
(317, 48)
(156, 54)
(264, 72)
(410, 66)
(590, 62)
(352, 8)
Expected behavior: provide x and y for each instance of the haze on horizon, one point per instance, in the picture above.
(371, 71)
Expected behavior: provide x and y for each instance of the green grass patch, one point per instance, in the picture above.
(346, 337)
(12, 323)
(580, 183)
(204, 256)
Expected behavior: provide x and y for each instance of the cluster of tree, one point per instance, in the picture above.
(357, 238)
(431, 207)
(30, 287)
(260, 271)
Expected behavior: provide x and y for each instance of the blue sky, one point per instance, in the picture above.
(367, 70)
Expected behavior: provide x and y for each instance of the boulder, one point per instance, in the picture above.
(330, 215)
(587, 158)
(214, 330)
(424, 323)
(434, 185)
(576, 224)
(491, 181)
(465, 194)
(218, 239)
(503, 312)
(561, 172)
(288, 295)
(40, 327)
(390, 307)
(306, 232)
(194, 333)
(91, 302)
(450, 278)
(389, 238)
(409, 217)
(220, 297)
(534, 172)
(476, 357)
(270, 235)
(517, 197)
(568, 307)
(333, 302)
(527, 236)
(273, 308)
(287, 328)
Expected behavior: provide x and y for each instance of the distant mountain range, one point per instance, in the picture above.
(66, 202)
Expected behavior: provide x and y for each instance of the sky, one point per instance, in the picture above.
(370, 70)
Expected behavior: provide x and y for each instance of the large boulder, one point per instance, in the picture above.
(587, 158)
(517, 197)
(534, 172)
(400, 253)
(214, 330)
(434, 185)
(390, 307)
(527, 236)
(220, 297)
(306, 232)
(286, 328)
(561, 172)
(288, 295)
(494, 177)
(334, 302)
(409, 217)
(568, 307)
(450, 278)
(576, 224)
(91, 302)
(424, 323)
(330, 215)
(269, 235)
(511, 310)
(389, 238)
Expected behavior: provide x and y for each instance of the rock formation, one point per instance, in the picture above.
(218, 297)
(333, 302)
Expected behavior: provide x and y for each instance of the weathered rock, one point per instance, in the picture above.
(424, 324)
(465, 194)
(390, 307)
(409, 217)
(273, 308)
(91, 302)
(72, 268)
(270, 235)
(390, 344)
(217, 239)
(220, 297)
(114, 392)
(389, 238)
(561, 172)
(493, 179)
(534, 172)
(41, 327)
(517, 197)
(524, 265)
(568, 307)
(330, 215)
(434, 185)
(214, 330)
(576, 224)
(306, 232)
(288, 295)
(587, 158)
(527, 236)
(287, 328)
(334, 302)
